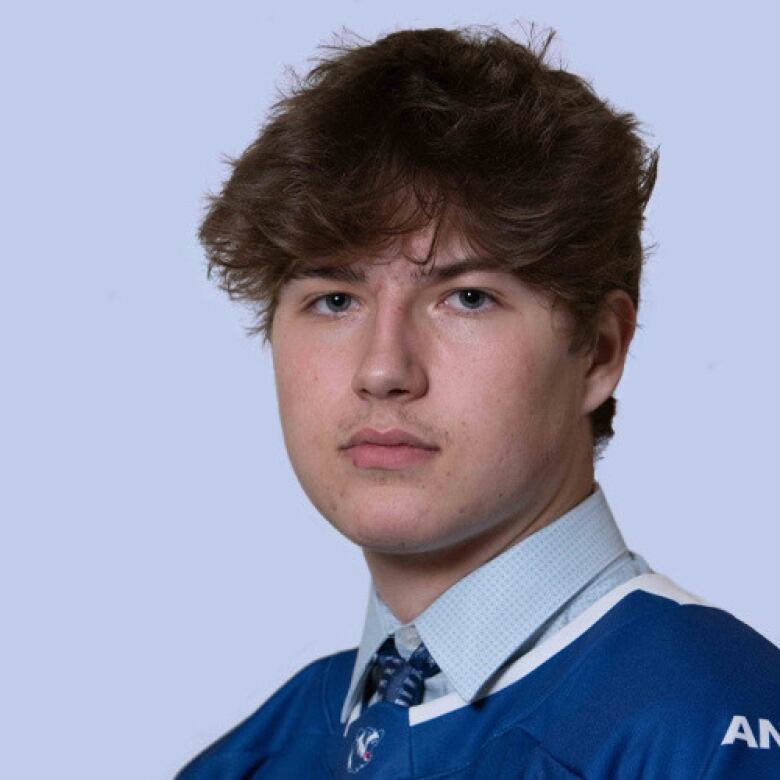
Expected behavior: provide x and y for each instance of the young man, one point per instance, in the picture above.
(442, 235)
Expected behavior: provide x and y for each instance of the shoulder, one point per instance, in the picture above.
(306, 706)
(694, 653)
(673, 688)
(667, 640)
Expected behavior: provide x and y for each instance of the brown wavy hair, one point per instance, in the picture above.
(462, 129)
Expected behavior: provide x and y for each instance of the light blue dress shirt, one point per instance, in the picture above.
(504, 608)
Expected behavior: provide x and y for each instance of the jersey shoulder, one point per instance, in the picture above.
(304, 708)
(659, 694)
(692, 653)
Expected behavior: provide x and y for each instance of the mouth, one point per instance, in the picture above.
(389, 450)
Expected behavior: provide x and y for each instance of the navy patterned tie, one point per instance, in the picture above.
(402, 682)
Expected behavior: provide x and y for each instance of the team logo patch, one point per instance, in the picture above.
(362, 749)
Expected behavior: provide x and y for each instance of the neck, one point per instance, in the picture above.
(410, 583)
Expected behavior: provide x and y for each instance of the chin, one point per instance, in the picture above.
(388, 531)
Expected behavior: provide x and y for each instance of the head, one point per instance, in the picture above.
(387, 164)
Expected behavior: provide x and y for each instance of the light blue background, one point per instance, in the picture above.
(161, 570)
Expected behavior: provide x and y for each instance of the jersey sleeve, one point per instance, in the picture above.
(750, 748)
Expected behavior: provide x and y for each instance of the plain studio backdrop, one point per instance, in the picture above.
(162, 572)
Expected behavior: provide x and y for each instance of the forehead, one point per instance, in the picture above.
(414, 257)
(362, 271)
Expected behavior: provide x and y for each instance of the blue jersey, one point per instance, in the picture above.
(644, 684)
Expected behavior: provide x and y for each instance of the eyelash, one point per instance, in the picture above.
(487, 297)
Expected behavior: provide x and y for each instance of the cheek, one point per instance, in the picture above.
(515, 404)
(296, 380)
(308, 381)
(500, 382)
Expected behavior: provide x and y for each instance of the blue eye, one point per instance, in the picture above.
(469, 299)
(334, 303)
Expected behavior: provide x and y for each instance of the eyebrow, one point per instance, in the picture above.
(428, 275)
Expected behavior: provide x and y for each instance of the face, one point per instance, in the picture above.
(424, 406)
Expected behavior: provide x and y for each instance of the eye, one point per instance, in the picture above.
(332, 303)
(469, 299)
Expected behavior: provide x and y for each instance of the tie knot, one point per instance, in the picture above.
(422, 660)
(402, 681)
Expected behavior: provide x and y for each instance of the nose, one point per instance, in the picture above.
(391, 365)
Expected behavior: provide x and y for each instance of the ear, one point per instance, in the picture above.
(615, 329)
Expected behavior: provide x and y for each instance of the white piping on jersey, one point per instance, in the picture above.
(653, 583)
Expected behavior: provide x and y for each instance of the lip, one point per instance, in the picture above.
(395, 437)
(392, 449)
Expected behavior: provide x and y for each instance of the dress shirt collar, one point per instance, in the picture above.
(475, 626)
